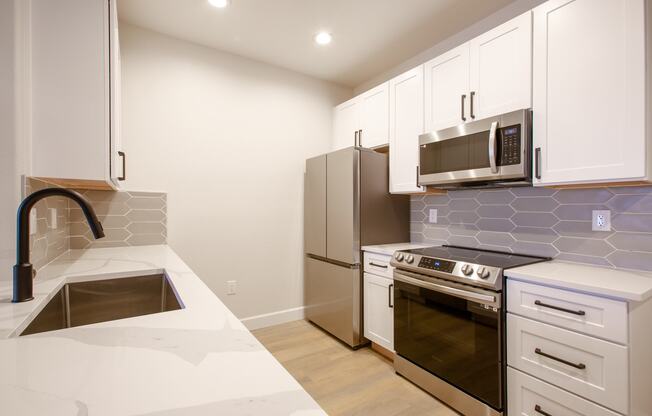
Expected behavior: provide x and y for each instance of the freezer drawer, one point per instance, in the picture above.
(333, 299)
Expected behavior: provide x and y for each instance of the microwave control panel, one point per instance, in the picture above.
(510, 145)
(437, 264)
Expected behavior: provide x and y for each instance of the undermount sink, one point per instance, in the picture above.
(90, 302)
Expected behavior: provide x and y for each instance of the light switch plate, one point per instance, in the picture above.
(432, 216)
(32, 222)
(53, 218)
(231, 287)
(601, 220)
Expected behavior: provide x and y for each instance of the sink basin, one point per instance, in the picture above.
(90, 302)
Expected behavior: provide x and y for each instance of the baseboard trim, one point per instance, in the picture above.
(274, 318)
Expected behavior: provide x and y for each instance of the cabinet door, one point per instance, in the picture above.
(446, 82)
(374, 116)
(405, 126)
(501, 69)
(589, 91)
(346, 124)
(117, 159)
(378, 310)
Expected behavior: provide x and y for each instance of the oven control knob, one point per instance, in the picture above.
(483, 273)
(409, 258)
(467, 270)
(398, 256)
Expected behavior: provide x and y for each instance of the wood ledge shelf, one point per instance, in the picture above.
(85, 184)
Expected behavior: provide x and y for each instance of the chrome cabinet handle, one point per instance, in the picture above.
(360, 138)
(579, 366)
(545, 305)
(389, 294)
(463, 100)
(492, 147)
(537, 163)
(124, 166)
(539, 410)
(384, 266)
(355, 138)
(472, 112)
(418, 172)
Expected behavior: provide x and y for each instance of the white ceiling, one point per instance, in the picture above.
(369, 36)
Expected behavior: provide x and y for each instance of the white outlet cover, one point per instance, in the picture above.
(432, 216)
(601, 220)
(231, 287)
(32, 222)
(53, 218)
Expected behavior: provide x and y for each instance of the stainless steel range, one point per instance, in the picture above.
(449, 324)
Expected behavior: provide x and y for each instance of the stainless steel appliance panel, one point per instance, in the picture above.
(385, 218)
(343, 206)
(315, 206)
(333, 298)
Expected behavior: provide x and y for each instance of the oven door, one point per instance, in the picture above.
(493, 149)
(451, 331)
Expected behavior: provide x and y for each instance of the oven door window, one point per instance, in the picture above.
(452, 155)
(455, 339)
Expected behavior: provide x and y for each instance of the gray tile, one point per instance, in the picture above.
(579, 229)
(145, 203)
(145, 239)
(577, 212)
(494, 238)
(466, 193)
(495, 224)
(463, 205)
(115, 221)
(500, 197)
(417, 238)
(417, 227)
(463, 217)
(631, 260)
(78, 242)
(106, 196)
(578, 258)
(145, 215)
(458, 240)
(118, 234)
(436, 233)
(632, 241)
(534, 219)
(631, 203)
(632, 222)
(585, 246)
(442, 210)
(146, 194)
(534, 249)
(417, 205)
(495, 211)
(583, 196)
(146, 228)
(436, 200)
(632, 190)
(463, 229)
(534, 234)
(534, 204)
(417, 216)
(533, 191)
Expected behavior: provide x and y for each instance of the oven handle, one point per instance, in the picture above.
(459, 293)
(492, 147)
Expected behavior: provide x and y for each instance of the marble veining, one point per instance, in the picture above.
(199, 360)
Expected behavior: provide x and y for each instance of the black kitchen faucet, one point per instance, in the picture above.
(23, 270)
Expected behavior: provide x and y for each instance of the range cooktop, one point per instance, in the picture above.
(476, 267)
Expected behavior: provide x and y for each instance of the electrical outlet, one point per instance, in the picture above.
(601, 220)
(231, 286)
(53, 218)
(33, 222)
(432, 216)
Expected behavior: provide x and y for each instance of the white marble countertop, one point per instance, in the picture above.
(199, 360)
(389, 249)
(613, 283)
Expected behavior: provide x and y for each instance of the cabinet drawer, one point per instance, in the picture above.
(526, 394)
(591, 315)
(594, 369)
(378, 264)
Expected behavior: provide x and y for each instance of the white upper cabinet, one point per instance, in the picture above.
(501, 69)
(405, 125)
(346, 124)
(589, 88)
(374, 117)
(447, 89)
(74, 84)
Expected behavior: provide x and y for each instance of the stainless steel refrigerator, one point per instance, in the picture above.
(347, 205)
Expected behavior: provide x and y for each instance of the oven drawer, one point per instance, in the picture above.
(591, 315)
(592, 368)
(378, 264)
(528, 396)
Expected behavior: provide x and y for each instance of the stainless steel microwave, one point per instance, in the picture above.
(495, 151)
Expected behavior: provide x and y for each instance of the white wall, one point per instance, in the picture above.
(227, 138)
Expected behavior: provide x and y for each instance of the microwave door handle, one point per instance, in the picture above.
(492, 147)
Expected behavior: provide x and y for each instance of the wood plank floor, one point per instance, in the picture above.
(343, 381)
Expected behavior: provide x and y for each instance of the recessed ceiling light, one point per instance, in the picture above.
(219, 3)
(323, 38)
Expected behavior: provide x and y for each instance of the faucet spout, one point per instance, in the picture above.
(23, 270)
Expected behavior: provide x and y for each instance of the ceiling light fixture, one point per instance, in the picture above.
(323, 38)
(220, 4)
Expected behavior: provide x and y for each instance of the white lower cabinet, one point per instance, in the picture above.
(378, 310)
(528, 396)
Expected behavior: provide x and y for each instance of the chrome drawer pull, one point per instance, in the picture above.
(545, 305)
(539, 410)
(384, 266)
(579, 366)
